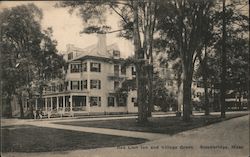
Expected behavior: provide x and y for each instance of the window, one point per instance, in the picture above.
(84, 67)
(70, 56)
(75, 68)
(134, 100)
(116, 70)
(95, 101)
(123, 70)
(66, 85)
(111, 101)
(95, 84)
(116, 85)
(53, 88)
(116, 53)
(121, 102)
(84, 84)
(95, 67)
(198, 94)
(133, 71)
(60, 87)
(74, 85)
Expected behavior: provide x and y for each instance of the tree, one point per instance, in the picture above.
(211, 63)
(49, 64)
(183, 25)
(138, 20)
(19, 35)
(237, 67)
(223, 63)
(25, 50)
(234, 25)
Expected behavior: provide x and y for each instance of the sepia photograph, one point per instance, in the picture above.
(124, 78)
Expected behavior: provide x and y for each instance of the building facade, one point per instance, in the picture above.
(91, 79)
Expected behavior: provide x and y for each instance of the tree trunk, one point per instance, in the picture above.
(223, 65)
(140, 80)
(150, 91)
(30, 105)
(211, 96)
(206, 95)
(141, 94)
(180, 95)
(9, 107)
(204, 76)
(187, 82)
(21, 106)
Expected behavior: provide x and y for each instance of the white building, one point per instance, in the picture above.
(92, 77)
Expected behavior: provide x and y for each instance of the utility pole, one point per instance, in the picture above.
(223, 63)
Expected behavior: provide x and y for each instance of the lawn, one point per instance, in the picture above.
(165, 125)
(39, 139)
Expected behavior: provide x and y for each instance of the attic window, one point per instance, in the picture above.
(116, 53)
(70, 56)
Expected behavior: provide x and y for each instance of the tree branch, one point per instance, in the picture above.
(118, 13)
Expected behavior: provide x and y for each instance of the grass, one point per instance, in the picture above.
(165, 125)
(39, 139)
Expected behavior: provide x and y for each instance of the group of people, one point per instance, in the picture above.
(38, 114)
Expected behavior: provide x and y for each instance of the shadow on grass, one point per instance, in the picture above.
(164, 125)
(39, 139)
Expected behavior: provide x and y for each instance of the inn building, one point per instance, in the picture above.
(91, 79)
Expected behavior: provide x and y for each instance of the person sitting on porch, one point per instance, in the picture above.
(37, 114)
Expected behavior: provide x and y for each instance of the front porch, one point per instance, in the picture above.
(64, 104)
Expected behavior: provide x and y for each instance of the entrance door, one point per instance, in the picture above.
(79, 103)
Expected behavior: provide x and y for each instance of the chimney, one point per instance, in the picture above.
(101, 44)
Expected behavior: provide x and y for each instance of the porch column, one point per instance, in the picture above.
(36, 104)
(70, 102)
(51, 103)
(64, 103)
(87, 104)
(46, 104)
(57, 103)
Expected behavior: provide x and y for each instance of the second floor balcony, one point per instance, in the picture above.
(65, 90)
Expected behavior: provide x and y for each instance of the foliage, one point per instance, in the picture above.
(185, 25)
(161, 95)
(236, 47)
(28, 54)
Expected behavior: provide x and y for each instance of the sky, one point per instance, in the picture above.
(67, 27)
